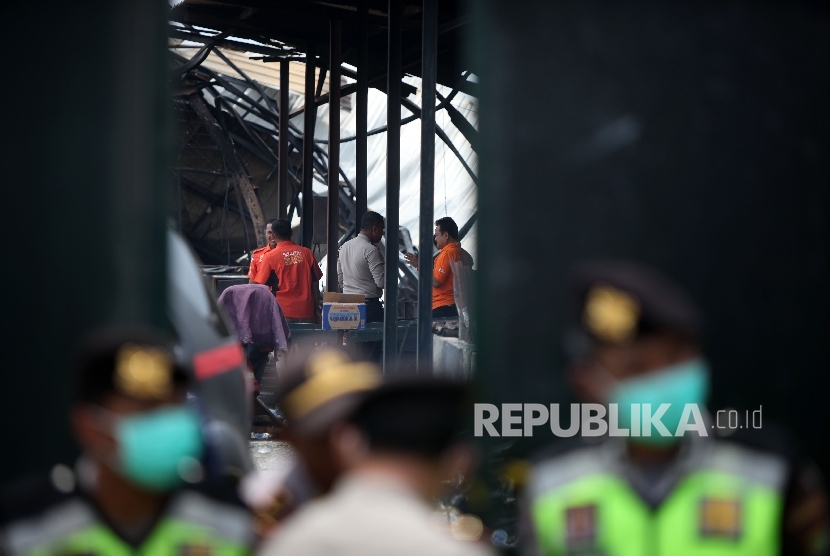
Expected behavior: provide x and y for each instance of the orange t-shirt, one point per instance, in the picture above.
(256, 259)
(294, 266)
(442, 273)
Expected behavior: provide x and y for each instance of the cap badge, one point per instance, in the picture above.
(611, 314)
(143, 372)
(330, 375)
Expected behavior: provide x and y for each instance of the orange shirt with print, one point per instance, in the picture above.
(442, 273)
(294, 266)
(256, 260)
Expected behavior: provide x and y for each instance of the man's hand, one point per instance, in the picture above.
(412, 259)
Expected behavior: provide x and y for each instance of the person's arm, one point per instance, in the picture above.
(252, 269)
(273, 282)
(315, 295)
(412, 259)
(263, 272)
(316, 274)
(441, 271)
(377, 266)
(339, 273)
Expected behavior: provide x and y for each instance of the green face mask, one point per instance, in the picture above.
(158, 448)
(678, 385)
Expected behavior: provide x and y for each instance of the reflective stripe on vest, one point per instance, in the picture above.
(729, 504)
(194, 524)
(56, 523)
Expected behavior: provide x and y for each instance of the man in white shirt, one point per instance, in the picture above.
(361, 270)
(396, 449)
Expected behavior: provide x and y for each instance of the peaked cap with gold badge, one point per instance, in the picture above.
(132, 361)
(322, 387)
(618, 301)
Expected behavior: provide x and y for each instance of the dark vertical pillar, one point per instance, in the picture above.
(309, 121)
(106, 182)
(393, 186)
(334, 158)
(361, 153)
(283, 187)
(429, 63)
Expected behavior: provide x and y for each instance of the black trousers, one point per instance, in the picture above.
(257, 359)
(445, 311)
(374, 313)
(374, 310)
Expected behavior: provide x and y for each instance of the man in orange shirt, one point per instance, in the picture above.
(259, 254)
(446, 239)
(297, 275)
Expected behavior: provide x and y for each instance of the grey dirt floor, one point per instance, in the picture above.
(271, 455)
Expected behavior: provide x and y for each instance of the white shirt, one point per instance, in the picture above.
(367, 516)
(361, 267)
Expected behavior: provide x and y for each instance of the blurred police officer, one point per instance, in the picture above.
(636, 345)
(141, 447)
(320, 389)
(397, 449)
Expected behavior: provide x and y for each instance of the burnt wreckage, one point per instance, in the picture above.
(227, 173)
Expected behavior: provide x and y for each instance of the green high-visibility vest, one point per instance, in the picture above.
(193, 525)
(727, 501)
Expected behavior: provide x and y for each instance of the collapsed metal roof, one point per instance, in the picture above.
(277, 28)
(227, 113)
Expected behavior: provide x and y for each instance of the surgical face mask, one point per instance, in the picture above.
(677, 385)
(160, 448)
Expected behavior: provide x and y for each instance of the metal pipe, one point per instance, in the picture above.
(256, 138)
(415, 109)
(230, 157)
(393, 187)
(411, 118)
(467, 226)
(333, 231)
(361, 148)
(309, 120)
(269, 116)
(428, 76)
(242, 220)
(283, 187)
(320, 82)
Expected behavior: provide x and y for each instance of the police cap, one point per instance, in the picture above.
(321, 387)
(133, 361)
(618, 301)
